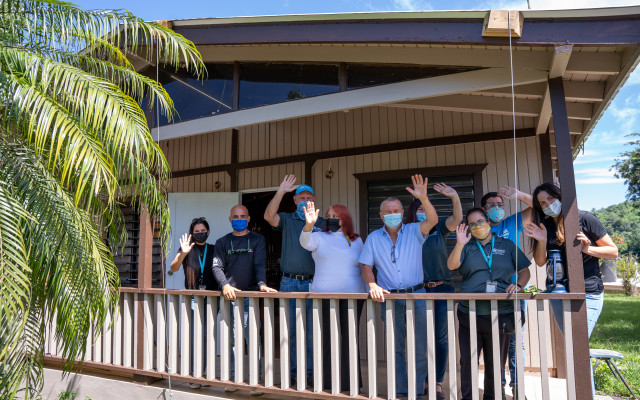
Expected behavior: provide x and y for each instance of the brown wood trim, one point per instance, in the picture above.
(581, 360)
(545, 157)
(355, 151)
(364, 178)
(233, 169)
(235, 91)
(538, 32)
(342, 77)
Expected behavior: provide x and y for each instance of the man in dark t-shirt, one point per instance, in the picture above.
(296, 263)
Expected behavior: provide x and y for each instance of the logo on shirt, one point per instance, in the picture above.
(216, 262)
(505, 234)
(499, 252)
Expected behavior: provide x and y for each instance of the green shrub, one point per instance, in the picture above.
(627, 268)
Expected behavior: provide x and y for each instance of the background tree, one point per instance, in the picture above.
(73, 141)
(628, 168)
(622, 222)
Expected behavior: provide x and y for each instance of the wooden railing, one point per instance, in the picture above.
(151, 336)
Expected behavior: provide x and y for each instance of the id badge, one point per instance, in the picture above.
(202, 287)
(492, 286)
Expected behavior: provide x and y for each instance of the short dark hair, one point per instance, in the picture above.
(487, 196)
(476, 210)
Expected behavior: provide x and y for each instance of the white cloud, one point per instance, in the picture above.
(626, 116)
(598, 181)
(555, 4)
(634, 78)
(411, 5)
(595, 172)
(593, 160)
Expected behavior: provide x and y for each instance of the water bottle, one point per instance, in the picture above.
(555, 272)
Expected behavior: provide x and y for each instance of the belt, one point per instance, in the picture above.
(298, 277)
(433, 284)
(408, 290)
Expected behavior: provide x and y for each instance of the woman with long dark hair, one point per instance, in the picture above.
(335, 251)
(547, 234)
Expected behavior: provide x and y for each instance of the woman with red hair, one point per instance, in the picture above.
(335, 251)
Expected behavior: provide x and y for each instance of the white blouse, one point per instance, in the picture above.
(337, 266)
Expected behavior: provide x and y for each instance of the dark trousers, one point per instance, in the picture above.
(343, 352)
(484, 346)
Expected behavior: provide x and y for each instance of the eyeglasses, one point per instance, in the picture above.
(393, 254)
(478, 223)
(198, 219)
(491, 205)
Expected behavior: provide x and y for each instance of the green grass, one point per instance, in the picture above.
(618, 329)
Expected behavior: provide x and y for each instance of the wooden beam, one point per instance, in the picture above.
(559, 61)
(233, 168)
(545, 158)
(355, 151)
(594, 63)
(478, 104)
(391, 93)
(581, 360)
(503, 23)
(576, 127)
(573, 90)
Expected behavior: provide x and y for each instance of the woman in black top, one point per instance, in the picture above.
(196, 257)
(547, 233)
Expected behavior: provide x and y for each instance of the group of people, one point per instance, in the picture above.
(407, 255)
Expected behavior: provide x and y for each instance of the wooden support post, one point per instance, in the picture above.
(581, 361)
(545, 157)
(145, 266)
(233, 168)
(235, 91)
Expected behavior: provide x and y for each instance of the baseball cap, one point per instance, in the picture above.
(304, 188)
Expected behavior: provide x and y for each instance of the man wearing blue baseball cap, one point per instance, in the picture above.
(296, 263)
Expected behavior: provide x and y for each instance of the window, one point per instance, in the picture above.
(262, 84)
(363, 75)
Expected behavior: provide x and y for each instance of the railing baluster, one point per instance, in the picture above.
(568, 349)
(390, 321)
(284, 343)
(335, 345)
(161, 332)
(53, 345)
(495, 347)
(411, 350)
(238, 337)
(453, 356)
(107, 338)
(542, 342)
(371, 349)
(301, 341)
(147, 334)
(269, 355)
(225, 342)
(317, 345)
(174, 312)
(431, 349)
(118, 334)
(127, 327)
(254, 352)
(89, 344)
(212, 321)
(185, 334)
(354, 359)
(198, 340)
(473, 336)
(519, 351)
(97, 344)
(134, 351)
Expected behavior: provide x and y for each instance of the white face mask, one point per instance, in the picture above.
(554, 209)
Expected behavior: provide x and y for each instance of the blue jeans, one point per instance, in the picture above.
(400, 329)
(294, 285)
(245, 325)
(512, 350)
(594, 303)
(441, 330)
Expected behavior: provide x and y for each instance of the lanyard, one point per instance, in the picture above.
(202, 258)
(490, 259)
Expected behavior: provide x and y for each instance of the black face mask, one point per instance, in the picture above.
(200, 237)
(333, 224)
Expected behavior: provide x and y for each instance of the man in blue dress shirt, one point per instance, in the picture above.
(396, 252)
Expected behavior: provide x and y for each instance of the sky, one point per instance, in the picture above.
(596, 185)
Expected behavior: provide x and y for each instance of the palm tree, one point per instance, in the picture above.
(73, 142)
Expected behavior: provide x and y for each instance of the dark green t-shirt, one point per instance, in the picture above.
(434, 255)
(294, 259)
(475, 271)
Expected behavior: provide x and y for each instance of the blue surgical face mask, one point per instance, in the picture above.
(421, 217)
(300, 209)
(392, 220)
(495, 214)
(239, 225)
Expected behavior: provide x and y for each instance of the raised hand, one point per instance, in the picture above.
(584, 241)
(445, 190)
(419, 190)
(288, 182)
(462, 235)
(536, 232)
(507, 192)
(185, 244)
(310, 213)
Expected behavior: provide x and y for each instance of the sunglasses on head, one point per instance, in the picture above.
(198, 219)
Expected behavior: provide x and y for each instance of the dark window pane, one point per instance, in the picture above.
(360, 75)
(199, 98)
(262, 84)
